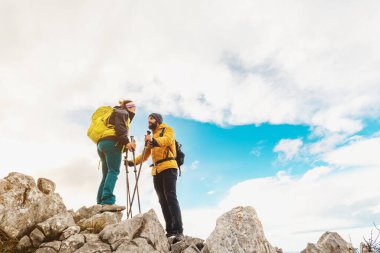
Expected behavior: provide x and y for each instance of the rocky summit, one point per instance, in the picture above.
(33, 218)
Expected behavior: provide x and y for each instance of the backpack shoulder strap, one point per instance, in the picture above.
(162, 132)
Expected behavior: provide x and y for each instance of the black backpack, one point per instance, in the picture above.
(180, 158)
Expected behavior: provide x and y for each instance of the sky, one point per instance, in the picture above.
(276, 104)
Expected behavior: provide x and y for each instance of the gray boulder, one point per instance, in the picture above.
(55, 245)
(45, 185)
(24, 243)
(189, 244)
(99, 221)
(54, 226)
(23, 204)
(138, 245)
(69, 232)
(45, 250)
(94, 247)
(329, 242)
(86, 212)
(93, 244)
(143, 230)
(72, 243)
(90, 237)
(36, 237)
(238, 231)
(191, 249)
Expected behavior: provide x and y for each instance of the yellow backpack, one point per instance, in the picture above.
(100, 126)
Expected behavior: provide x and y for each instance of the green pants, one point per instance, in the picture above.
(110, 156)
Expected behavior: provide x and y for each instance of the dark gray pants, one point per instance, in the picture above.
(165, 185)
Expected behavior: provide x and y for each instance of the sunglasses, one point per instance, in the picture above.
(130, 105)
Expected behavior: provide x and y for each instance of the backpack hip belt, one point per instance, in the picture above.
(162, 160)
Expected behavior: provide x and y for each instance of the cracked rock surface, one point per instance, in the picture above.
(329, 242)
(23, 204)
(33, 218)
(238, 230)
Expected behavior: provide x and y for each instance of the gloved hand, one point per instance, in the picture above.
(130, 164)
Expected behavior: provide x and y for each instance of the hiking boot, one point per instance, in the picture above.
(169, 235)
(178, 237)
(112, 208)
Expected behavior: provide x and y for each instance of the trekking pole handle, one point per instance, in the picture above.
(148, 133)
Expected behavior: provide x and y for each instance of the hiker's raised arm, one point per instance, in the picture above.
(166, 140)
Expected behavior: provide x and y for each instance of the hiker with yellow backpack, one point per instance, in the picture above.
(109, 130)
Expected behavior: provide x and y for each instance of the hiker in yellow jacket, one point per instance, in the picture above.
(165, 171)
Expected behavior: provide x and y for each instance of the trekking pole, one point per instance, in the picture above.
(137, 187)
(138, 174)
(127, 179)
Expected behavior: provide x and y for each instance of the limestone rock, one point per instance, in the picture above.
(69, 232)
(94, 247)
(97, 222)
(123, 231)
(311, 248)
(199, 243)
(36, 237)
(138, 245)
(86, 212)
(329, 242)
(191, 249)
(45, 250)
(239, 230)
(195, 244)
(56, 245)
(45, 185)
(23, 205)
(54, 226)
(145, 226)
(91, 237)
(279, 250)
(24, 243)
(72, 243)
(153, 230)
(178, 247)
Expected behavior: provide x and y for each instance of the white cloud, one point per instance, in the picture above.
(328, 142)
(194, 165)
(256, 150)
(362, 152)
(288, 148)
(375, 209)
(210, 192)
(293, 72)
(316, 173)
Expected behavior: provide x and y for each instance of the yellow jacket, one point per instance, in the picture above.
(165, 149)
